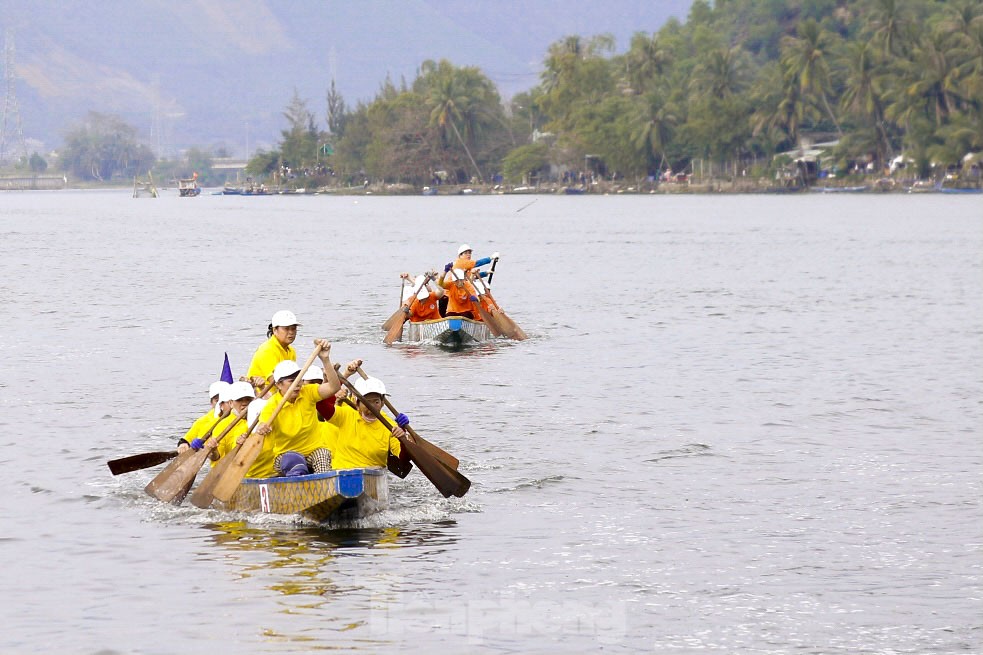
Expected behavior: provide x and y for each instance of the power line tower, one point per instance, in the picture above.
(10, 128)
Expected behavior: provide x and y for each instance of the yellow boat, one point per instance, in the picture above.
(335, 495)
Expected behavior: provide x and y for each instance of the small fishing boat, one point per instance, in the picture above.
(336, 495)
(450, 331)
(188, 188)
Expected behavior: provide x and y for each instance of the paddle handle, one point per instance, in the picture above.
(491, 273)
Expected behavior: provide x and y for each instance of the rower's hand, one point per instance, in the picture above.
(325, 346)
(352, 367)
(400, 433)
(263, 429)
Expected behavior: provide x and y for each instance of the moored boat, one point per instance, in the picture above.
(188, 188)
(336, 495)
(449, 331)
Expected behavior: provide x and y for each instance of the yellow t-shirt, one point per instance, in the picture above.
(359, 443)
(200, 426)
(267, 356)
(296, 427)
(228, 442)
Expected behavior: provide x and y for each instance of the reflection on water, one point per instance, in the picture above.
(305, 559)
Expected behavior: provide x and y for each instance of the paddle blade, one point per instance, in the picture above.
(178, 475)
(517, 332)
(238, 466)
(489, 320)
(395, 331)
(398, 467)
(435, 451)
(204, 495)
(141, 461)
(392, 319)
(446, 480)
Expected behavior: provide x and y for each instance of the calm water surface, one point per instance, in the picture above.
(741, 424)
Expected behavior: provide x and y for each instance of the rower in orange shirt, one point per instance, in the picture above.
(461, 294)
(425, 305)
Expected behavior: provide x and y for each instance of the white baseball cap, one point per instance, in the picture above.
(285, 369)
(366, 386)
(314, 373)
(215, 388)
(464, 247)
(423, 293)
(284, 318)
(239, 390)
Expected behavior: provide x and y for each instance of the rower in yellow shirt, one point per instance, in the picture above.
(363, 440)
(239, 395)
(281, 333)
(206, 420)
(300, 443)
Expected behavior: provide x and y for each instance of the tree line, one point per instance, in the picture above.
(735, 83)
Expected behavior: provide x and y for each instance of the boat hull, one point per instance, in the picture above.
(323, 497)
(453, 331)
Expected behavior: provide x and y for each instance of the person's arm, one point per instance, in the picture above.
(331, 382)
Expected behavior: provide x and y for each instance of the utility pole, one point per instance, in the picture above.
(10, 128)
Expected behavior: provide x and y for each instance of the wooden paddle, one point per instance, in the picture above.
(513, 330)
(445, 457)
(401, 315)
(247, 452)
(167, 485)
(204, 494)
(447, 481)
(141, 461)
(388, 323)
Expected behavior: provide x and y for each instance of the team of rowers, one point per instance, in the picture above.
(318, 428)
(458, 291)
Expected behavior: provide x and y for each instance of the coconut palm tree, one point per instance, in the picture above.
(449, 105)
(862, 91)
(806, 56)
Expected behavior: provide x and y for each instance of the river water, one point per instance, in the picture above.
(741, 424)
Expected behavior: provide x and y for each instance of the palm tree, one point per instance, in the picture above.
(654, 122)
(805, 56)
(862, 93)
(888, 25)
(720, 75)
(449, 105)
(646, 61)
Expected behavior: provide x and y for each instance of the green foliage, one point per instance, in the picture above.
(738, 81)
(103, 147)
(525, 162)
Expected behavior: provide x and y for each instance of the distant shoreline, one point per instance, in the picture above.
(602, 188)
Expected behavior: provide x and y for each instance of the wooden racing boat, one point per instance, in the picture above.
(341, 494)
(450, 331)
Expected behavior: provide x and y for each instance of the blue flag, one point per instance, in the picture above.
(227, 371)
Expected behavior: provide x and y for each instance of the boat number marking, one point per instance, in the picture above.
(264, 498)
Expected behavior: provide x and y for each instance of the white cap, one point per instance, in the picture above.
(366, 386)
(284, 318)
(285, 369)
(215, 389)
(463, 248)
(314, 372)
(255, 407)
(423, 293)
(239, 390)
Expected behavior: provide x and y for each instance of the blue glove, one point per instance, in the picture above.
(448, 267)
(402, 420)
(197, 444)
(474, 298)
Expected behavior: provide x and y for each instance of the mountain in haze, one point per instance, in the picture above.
(220, 72)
